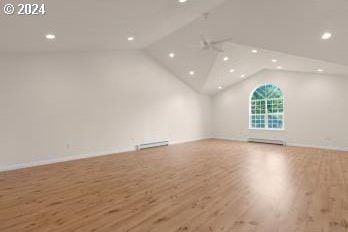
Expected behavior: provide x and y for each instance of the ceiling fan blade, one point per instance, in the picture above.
(221, 41)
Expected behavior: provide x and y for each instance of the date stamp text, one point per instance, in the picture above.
(24, 9)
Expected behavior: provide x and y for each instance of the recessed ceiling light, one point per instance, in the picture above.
(326, 35)
(220, 87)
(242, 76)
(131, 38)
(226, 58)
(171, 55)
(320, 70)
(274, 61)
(254, 51)
(279, 67)
(232, 70)
(182, 1)
(50, 36)
(192, 73)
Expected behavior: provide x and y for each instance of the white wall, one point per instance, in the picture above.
(58, 105)
(54, 106)
(316, 109)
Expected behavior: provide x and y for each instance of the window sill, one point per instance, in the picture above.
(267, 129)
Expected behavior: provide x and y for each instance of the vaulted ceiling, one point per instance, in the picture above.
(214, 72)
(286, 31)
(84, 25)
(282, 30)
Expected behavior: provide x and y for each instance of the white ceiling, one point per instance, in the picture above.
(277, 28)
(211, 71)
(243, 61)
(96, 24)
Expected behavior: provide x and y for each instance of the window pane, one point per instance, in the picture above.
(275, 121)
(263, 107)
(257, 95)
(258, 121)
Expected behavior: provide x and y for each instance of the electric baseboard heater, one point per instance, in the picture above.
(267, 141)
(152, 145)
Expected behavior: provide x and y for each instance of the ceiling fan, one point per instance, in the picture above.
(207, 45)
(214, 45)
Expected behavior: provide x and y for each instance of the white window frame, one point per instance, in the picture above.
(266, 110)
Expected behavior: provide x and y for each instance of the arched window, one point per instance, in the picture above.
(267, 108)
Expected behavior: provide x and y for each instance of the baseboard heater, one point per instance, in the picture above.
(152, 145)
(268, 141)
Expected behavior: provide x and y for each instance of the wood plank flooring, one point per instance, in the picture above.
(204, 186)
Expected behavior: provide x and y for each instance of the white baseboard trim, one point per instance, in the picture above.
(61, 159)
(292, 144)
(318, 147)
(231, 139)
(188, 140)
(77, 157)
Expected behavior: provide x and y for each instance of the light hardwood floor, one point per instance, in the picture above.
(205, 186)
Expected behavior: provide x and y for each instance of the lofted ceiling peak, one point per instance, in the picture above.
(249, 36)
